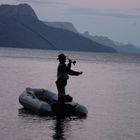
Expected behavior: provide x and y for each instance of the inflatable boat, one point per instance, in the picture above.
(45, 102)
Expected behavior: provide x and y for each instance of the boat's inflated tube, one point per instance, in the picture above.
(45, 102)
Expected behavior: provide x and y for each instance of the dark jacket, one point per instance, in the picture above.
(64, 70)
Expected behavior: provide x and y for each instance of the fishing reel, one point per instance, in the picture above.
(63, 57)
(72, 61)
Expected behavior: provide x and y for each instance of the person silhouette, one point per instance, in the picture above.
(63, 72)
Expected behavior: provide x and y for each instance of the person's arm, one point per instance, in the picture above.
(69, 65)
(72, 72)
(76, 73)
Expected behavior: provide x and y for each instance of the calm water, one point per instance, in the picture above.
(109, 88)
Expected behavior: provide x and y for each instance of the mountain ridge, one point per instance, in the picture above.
(22, 10)
(62, 25)
(25, 30)
(120, 47)
(104, 40)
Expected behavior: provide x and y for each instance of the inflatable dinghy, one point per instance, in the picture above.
(45, 102)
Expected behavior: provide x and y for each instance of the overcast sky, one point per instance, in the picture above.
(117, 19)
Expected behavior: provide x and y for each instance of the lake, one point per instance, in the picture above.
(109, 88)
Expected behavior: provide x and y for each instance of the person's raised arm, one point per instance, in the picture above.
(76, 73)
(69, 65)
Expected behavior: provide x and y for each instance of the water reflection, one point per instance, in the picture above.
(24, 113)
(29, 115)
(59, 128)
(62, 127)
(56, 127)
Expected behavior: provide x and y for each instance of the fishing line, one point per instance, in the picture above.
(44, 38)
(40, 35)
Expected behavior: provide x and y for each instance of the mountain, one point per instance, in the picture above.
(101, 39)
(127, 48)
(22, 10)
(21, 28)
(62, 25)
(120, 47)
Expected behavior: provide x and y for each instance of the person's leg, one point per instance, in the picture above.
(61, 90)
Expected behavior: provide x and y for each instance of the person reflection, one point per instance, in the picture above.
(59, 129)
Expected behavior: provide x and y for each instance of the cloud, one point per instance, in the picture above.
(41, 1)
(135, 9)
(136, 24)
(117, 13)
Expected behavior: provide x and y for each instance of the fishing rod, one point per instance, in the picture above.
(44, 38)
(40, 35)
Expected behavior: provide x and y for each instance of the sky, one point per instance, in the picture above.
(117, 19)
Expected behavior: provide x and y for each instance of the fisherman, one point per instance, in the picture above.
(63, 71)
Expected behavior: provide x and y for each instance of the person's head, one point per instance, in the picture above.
(61, 58)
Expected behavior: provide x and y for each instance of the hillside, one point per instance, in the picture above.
(62, 25)
(120, 47)
(21, 28)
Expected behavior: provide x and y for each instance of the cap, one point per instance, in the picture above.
(61, 56)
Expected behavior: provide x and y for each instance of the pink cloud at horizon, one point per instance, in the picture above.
(114, 4)
(111, 4)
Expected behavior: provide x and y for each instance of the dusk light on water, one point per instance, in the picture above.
(109, 88)
(69, 70)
